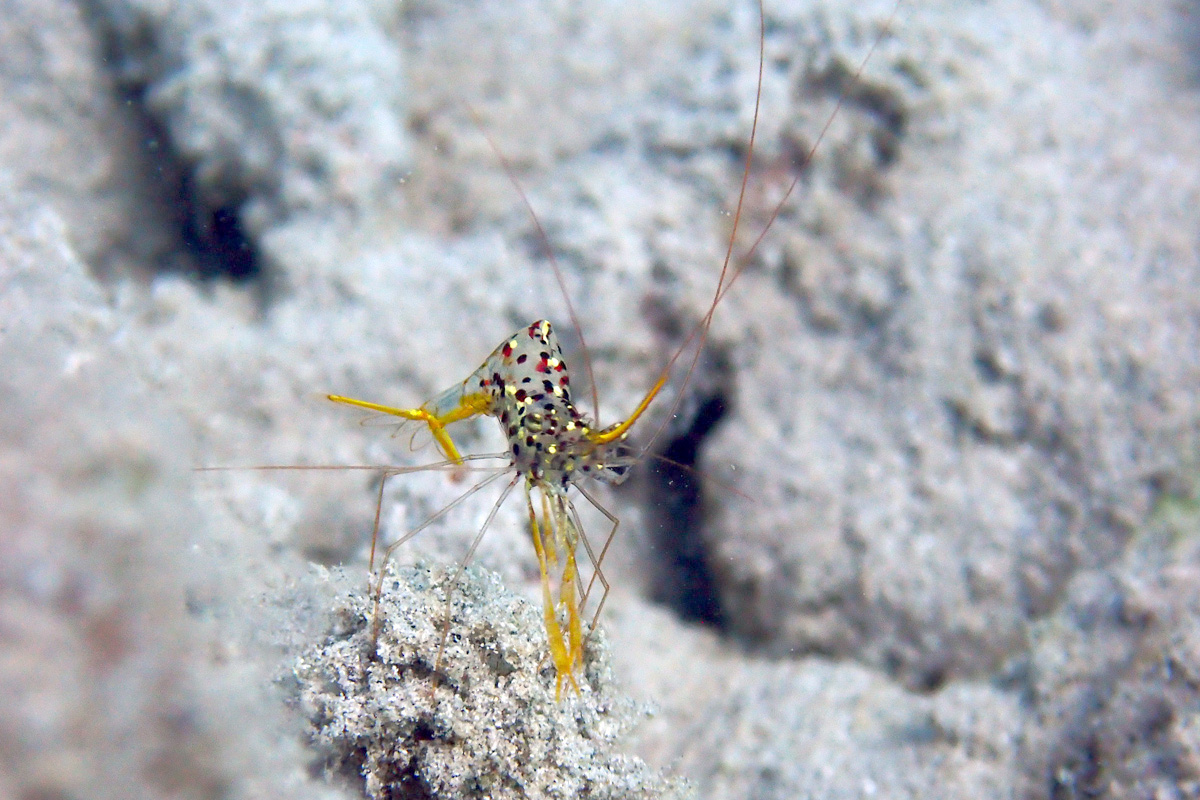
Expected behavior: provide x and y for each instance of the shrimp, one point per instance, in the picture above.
(526, 386)
(553, 447)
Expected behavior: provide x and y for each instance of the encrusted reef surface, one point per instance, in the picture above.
(957, 386)
(484, 722)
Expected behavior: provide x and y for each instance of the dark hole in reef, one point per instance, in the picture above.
(683, 579)
(203, 229)
(210, 234)
(218, 242)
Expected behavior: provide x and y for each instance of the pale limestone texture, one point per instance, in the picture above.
(961, 373)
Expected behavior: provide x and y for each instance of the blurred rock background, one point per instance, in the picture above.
(943, 543)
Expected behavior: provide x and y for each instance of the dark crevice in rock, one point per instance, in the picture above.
(682, 577)
(203, 223)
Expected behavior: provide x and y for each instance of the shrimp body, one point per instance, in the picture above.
(526, 386)
(551, 441)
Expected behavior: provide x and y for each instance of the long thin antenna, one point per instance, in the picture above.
(701, 328)
(699, 331)
(545, 240)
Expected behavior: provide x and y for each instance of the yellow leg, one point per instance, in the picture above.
(564, 658)
(567, 596)
(566, 540)
(470, 405)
